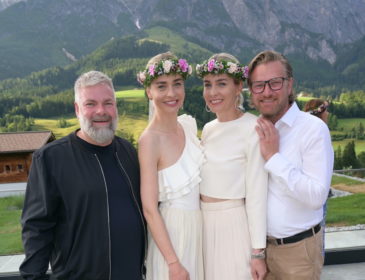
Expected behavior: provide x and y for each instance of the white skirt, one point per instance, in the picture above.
(226, 240)
(185, 231)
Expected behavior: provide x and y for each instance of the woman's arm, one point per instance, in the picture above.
(149, 155)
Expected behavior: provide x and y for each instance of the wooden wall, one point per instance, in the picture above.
(14, 168)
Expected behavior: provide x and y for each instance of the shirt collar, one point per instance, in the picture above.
(289, 117)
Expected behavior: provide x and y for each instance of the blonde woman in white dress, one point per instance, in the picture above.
(170, 158)
(234, 183)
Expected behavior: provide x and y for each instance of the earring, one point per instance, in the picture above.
(207, 108)
(239, 102)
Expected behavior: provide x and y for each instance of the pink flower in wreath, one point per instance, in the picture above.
(151, 70)
(184, 66)
(211, 65)
(245, 71)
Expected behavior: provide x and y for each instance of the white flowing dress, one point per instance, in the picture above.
(179, 208)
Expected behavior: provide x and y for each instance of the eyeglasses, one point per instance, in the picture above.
(274, 84)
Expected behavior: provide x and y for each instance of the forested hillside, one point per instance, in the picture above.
(49, 92)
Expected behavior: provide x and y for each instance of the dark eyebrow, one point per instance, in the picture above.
(219, 80)
(174, 81)
(161, 83)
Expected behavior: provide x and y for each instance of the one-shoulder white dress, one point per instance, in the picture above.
(180, 210)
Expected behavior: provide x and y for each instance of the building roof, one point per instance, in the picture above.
(29, 141)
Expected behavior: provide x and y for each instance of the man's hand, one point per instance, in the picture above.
(269, 138)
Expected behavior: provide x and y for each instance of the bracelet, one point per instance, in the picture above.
(175, 261)
(261, 255)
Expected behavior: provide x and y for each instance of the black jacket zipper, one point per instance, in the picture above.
(139, 211)
(107, 204)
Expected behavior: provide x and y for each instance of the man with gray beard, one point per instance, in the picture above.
(82, 210)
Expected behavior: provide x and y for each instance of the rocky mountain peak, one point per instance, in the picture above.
(7, 3)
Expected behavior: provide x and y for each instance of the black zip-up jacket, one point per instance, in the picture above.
(65, 217)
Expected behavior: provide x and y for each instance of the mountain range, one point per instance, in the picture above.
(326, 36)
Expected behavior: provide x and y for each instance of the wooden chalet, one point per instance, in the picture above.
(16, 149)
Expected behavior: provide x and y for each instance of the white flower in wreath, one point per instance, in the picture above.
(190, 70)
(167, 64)
(232, 67)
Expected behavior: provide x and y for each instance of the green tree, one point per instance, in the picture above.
(338, 159)
(62, 123)
(332, 122)
(360, 131)
(349, 159)
(361, 158)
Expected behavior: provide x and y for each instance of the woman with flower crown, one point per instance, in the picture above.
(170, 159)
(234, 183)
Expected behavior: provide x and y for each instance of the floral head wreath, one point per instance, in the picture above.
(323, 107)
(164, 67)
(212, 66)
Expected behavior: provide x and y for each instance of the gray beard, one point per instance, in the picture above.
(100, 135)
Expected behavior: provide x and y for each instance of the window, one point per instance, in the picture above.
(7, 168)
(20, 168)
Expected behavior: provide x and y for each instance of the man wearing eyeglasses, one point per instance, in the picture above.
(299, 158)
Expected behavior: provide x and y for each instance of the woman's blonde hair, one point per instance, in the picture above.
(162, 56)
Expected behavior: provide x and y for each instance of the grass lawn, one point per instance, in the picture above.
(133, 93)
(346, 211)
(339, 180)
(359, 145)
(348, 124)
(10, 211)
(305, 98)
(52, 124)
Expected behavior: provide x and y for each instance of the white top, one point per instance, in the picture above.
(234, 169)
(179, 183)
(299, 174)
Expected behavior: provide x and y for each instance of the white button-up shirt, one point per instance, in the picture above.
(299, 174)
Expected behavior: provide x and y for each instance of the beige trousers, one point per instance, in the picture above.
(226, 241)
(302, 260)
